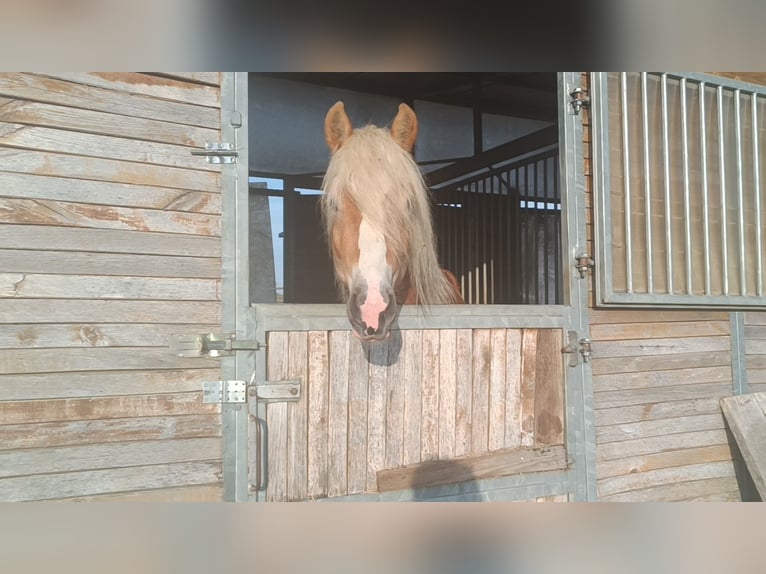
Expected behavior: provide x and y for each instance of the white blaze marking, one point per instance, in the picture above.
(373, 268)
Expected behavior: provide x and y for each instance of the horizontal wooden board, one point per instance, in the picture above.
(25, 161)
(626, 331)
(755, 346)
(146, 84)
(746, 418)
(109, 194)
(49, 238)
(661, 362)
(74, 119)
(118, 311)
(660, 395)
(93, 384)
(59, 213)
(654, 347)
(212, 78)
(92, 482)
(755, 362)
(95, 359)
(462, 469)
(62, 336)
(755, 332)
(207, 493)
(70, 433)
(755, 318)
(679, 441)
(50, 90)
(649, 379)
(686, 490)
(657, 427)
(654, 461)
(654, 411)
(615, 485)
(615, 316)
(19, 412)
(115, 455)
(35, 286)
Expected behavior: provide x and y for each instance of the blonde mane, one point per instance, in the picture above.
(383, 180)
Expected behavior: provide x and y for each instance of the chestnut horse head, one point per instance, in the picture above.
(377, 214)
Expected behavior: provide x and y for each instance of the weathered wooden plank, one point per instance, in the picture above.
(654, 461)
(658, 427)
(117, 311)
(614, 316)
(463, 392)
(276, 419)
(661, 362)
(395, 389)
(660, 395)
(103, 383)
(497, 390)
(70, 433)
(318, 391)
(528, 381)
(755, 332)
(48, 238)
(655, 347)
(686, 490)
(104, 193)
(42, 89)
(358, 369)
(74, 119)
(71, 166)
(746, 418)
(757, 388)
(115, 455)
(337, 448)
(513, 388)
(95, 359)
(489, 465)
(63, 214)
(298, 417)
(412, 346)
(447, 393)
(755, 362)
(549, 389)
(148, 153)
(482, 351)
(649, 379)
(618, 484)
(755, 318)
(679, 441)
(209, 493)
(33, 286)
(654, 411)
(92, 482)
(376, 412)
(625, 331)
(166, 404)
(429, 435)
(212, 78)
(147, 85)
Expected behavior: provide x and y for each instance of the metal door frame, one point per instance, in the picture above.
(253, 322)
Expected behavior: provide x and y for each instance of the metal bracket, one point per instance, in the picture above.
(584, 264)
(214, 392)
(218, 152)
(579, 101)
(210, 345)
(277, 391)
(577, 347)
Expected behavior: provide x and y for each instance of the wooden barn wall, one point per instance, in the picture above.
(109, 243)
(658, 377)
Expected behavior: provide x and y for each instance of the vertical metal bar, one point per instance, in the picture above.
(687, 208)
(740, 194)
(757, 186)
(518, 243)
(705, 205)
(535, 227)
(738, 359)
(666, 178)
(722, 174)
(626, 182)
(647, 185)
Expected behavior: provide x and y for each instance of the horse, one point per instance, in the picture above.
(377, 216)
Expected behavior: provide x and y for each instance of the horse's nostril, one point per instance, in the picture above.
(370, 331)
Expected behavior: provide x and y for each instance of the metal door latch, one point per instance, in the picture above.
(218, 152)
(577, 346)
(579, 101)
(584, 264)
(210, 345)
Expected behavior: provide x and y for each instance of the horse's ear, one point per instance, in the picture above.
(337, 126)
(405, 127)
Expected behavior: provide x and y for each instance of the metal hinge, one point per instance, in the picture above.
(218, 152)
(224, 392)
(579, 101)
(238, 391)
(584, 264)
(577, 347)
(210, 345)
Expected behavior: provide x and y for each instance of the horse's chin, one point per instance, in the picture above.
(372, 339)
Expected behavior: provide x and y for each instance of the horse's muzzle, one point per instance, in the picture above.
(372, 323)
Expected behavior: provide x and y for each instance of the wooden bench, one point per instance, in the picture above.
(746, 417)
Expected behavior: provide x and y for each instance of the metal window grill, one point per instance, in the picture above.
(679, 197)
(499, 231)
